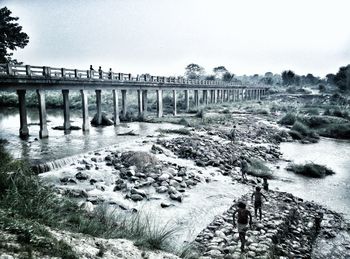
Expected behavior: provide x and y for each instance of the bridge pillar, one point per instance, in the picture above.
(115, 107)
(124, 104)
(187, 101)
(196, 98)
(43, 132)
(214, 96)
(23, 130)
(159, 103)
(139, 101)
(234, 95)
(211, 96)
(98, 107)
(221, 95)
(66, 112)
(85, 107)
(144, 101)
(174, 103)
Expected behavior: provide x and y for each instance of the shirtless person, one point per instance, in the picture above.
(258, 200)
(242, 221)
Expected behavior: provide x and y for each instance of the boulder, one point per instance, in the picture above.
(136, 197)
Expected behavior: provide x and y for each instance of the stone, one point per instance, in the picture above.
(178, 197)
(137, 191)
(81, 176)
(172, 190)
(161, 189)
(166, 205)
(164, 177)
(136, 197)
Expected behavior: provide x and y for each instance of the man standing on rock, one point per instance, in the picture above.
(242, 222)
(258, 200)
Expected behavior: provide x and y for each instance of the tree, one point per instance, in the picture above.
(194, 71)
(342, 78)
(220, 71)
(330, 78)
(11, 35)
(227, 76)
(288, 77)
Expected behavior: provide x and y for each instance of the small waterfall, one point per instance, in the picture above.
(55, 164)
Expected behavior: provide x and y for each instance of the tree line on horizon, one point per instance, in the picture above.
(12, 37)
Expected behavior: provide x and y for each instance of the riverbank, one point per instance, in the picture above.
(170, 174)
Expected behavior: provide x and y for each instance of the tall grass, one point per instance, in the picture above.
(256, 167)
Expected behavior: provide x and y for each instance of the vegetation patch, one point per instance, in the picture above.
(257, 167)
(310, 170)
(182, 131)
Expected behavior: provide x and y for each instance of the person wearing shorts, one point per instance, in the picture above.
(258, 201)
(242, 222)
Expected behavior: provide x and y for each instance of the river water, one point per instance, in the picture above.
(206, 200)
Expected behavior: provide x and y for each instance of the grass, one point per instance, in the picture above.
(310, 170)
(28, 207)
(288, 119)
(182, 131)
(257, 167)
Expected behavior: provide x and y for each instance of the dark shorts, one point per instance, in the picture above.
(257, 204)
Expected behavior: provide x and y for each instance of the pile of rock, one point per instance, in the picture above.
(208, 152)
(287, 230)
(164, 177)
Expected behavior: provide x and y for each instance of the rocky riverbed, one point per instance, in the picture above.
(124, 178)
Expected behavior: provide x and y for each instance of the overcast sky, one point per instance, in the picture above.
(162, 36)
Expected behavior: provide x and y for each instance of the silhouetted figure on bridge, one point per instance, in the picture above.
(100, 72)
(110, 73)
(92, 70)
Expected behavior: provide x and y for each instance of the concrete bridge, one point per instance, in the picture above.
(21, 78)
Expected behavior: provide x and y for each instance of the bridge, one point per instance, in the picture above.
(21, 78)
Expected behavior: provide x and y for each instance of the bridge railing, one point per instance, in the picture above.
(52, 72)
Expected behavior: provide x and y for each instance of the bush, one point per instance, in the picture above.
(310, 170)
(256, 167)
(301, 128)
(288, 119)
(339, 131)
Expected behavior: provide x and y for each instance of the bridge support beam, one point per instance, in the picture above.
(43, 132)
(144, 102)
(174, 103)
(85, 109)
(66, 111)
(196, 98)
(115, 107)
(139, 101)
(124, 104)
(159, 103)
(187, 101)
(23, 130)
(98, 107)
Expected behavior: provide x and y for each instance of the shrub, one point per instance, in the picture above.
(310, 170)
(200, 114)
(340, 131)
(301, 128)
(288, 119)
(256, 167)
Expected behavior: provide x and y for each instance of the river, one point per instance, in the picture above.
(206, 200)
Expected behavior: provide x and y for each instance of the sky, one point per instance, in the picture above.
(162, 37)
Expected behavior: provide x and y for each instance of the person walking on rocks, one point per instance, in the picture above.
(258, 201)
(242, 222)
(233, 134)
(265, 184)
(244, 169)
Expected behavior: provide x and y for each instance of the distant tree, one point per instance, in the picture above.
(288, 77)
(330, 78)
(267, 80)
(194, 71)
(227, 76)
(342, 78)
(268, 74)
(11, 35)
(321, 88)
(210, 77)
(310, 79)
(219, 72)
